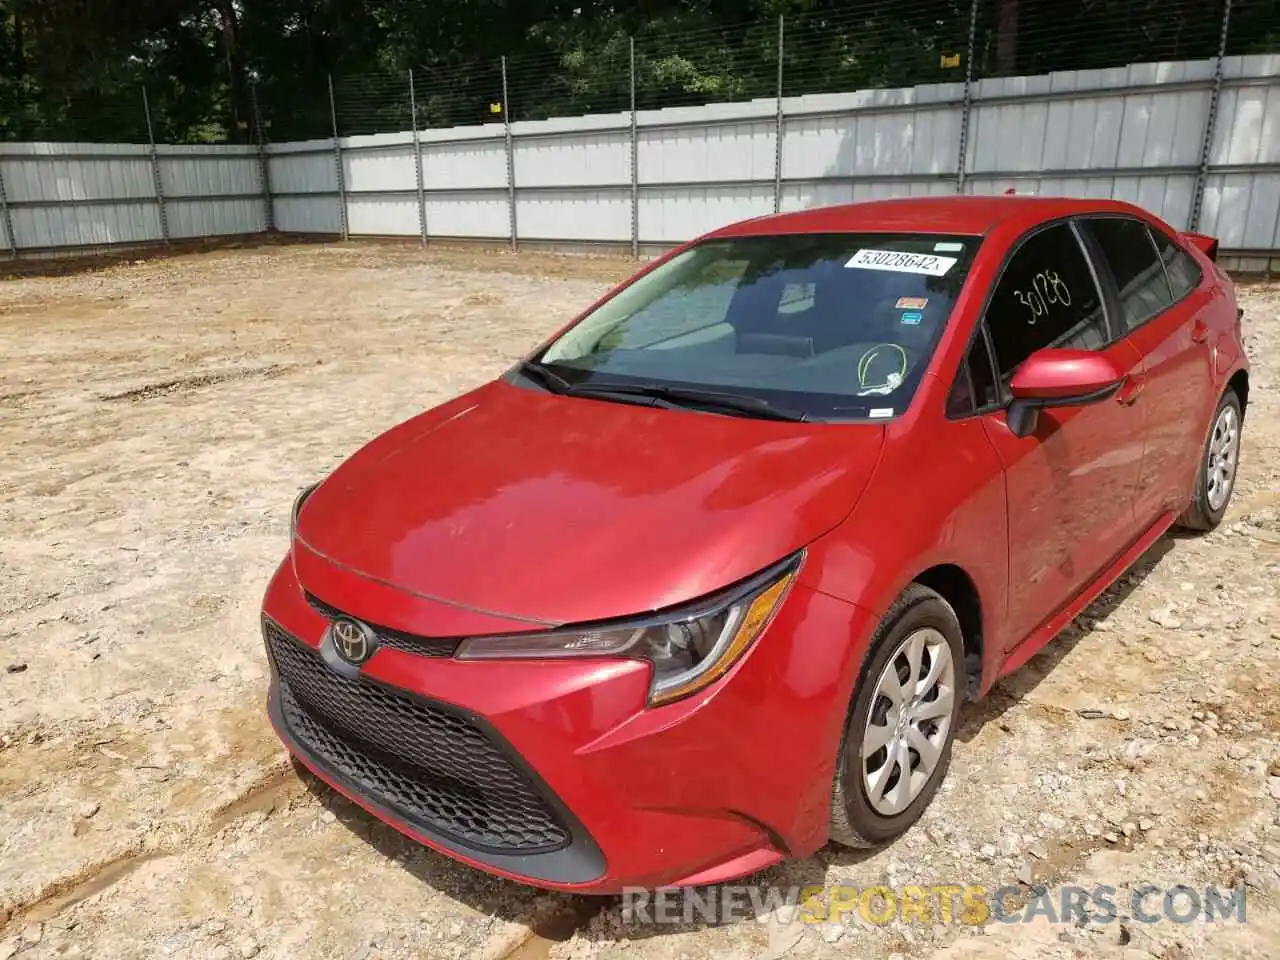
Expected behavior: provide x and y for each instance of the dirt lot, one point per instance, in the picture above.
(157, 420)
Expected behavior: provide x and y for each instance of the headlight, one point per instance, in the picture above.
(688, 648)
(298, 501)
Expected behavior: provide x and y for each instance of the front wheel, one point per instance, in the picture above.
(1216, 472)
(897, 741)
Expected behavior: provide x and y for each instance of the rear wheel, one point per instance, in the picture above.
(1216, 474)
(897, 741)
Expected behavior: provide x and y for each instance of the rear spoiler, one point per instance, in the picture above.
(1208, 245)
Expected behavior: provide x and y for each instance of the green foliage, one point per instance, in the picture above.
(214, 69)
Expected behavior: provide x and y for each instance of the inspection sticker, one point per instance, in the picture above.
(911, 303)
(895, 261)
(948, 247)
(881, 413)
(912, 318)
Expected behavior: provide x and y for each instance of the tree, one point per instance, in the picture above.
(74, 69)
(1007, 37)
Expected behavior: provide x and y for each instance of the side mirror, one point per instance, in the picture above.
(1059, 378)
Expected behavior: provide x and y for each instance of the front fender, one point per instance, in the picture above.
(922, 511)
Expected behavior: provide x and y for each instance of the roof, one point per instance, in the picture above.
(963, 215)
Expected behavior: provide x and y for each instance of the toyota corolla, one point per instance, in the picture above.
(702, 582)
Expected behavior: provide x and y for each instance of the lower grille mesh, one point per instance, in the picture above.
(428, 763)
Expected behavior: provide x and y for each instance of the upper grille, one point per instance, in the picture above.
(408, 642)
(422, 760)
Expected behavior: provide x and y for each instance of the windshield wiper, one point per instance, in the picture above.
(545, 376)
(559, 385)
(658, 394)
(693, 397)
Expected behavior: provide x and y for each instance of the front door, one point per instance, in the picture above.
(1070, 484)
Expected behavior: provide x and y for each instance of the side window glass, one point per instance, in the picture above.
(1140, 276)
(960, 403)
(1184, 273)
(1047, 297)
(986, 391)
(975, 386)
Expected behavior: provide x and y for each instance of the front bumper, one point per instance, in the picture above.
(703, 790)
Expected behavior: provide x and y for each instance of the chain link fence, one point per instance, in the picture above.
(276, 152)
(865, 45)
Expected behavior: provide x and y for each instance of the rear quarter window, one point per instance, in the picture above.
(1184, 273)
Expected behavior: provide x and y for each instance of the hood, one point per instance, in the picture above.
(559, 509)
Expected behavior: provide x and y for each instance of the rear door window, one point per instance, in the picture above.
(1047, 297)
(1184, 273)
(1141, 284)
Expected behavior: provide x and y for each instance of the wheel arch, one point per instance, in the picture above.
(954, 584)
(1239, 385)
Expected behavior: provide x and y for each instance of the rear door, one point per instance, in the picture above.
(1070, 484)
(1163, 313)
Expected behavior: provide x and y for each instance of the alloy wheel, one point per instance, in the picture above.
(1224, 454)
(909, 722)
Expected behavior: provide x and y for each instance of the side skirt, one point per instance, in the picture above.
(1042, 634)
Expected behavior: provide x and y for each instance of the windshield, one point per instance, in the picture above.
(837, 326)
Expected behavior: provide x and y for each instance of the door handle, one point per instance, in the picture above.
(1199, 331)
(1129, 391)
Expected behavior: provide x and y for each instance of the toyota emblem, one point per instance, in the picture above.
(352, 641)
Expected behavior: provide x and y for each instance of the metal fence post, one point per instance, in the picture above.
(779, 124)
(264, 162)
(966, 108)
(635, 163)
(1210, 122)
(511, 160)
(155, 170)
(8, 218)
(417, 161)
(337, 162)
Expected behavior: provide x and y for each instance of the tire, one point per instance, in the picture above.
(1202, 514)
(857, 819)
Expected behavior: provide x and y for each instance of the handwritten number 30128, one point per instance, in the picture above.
(1047, 290)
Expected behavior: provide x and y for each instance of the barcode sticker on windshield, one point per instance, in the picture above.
(896, 261)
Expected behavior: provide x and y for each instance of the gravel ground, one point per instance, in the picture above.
(159, 417)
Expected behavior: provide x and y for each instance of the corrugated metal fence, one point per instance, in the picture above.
(1196, 142)
(76, 195)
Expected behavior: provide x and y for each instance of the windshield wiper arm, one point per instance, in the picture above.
(737, 402)
(693, 397)
(559, 385)
(545, 376)
(661, 395)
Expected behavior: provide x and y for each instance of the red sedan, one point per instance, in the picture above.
(700, 584)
